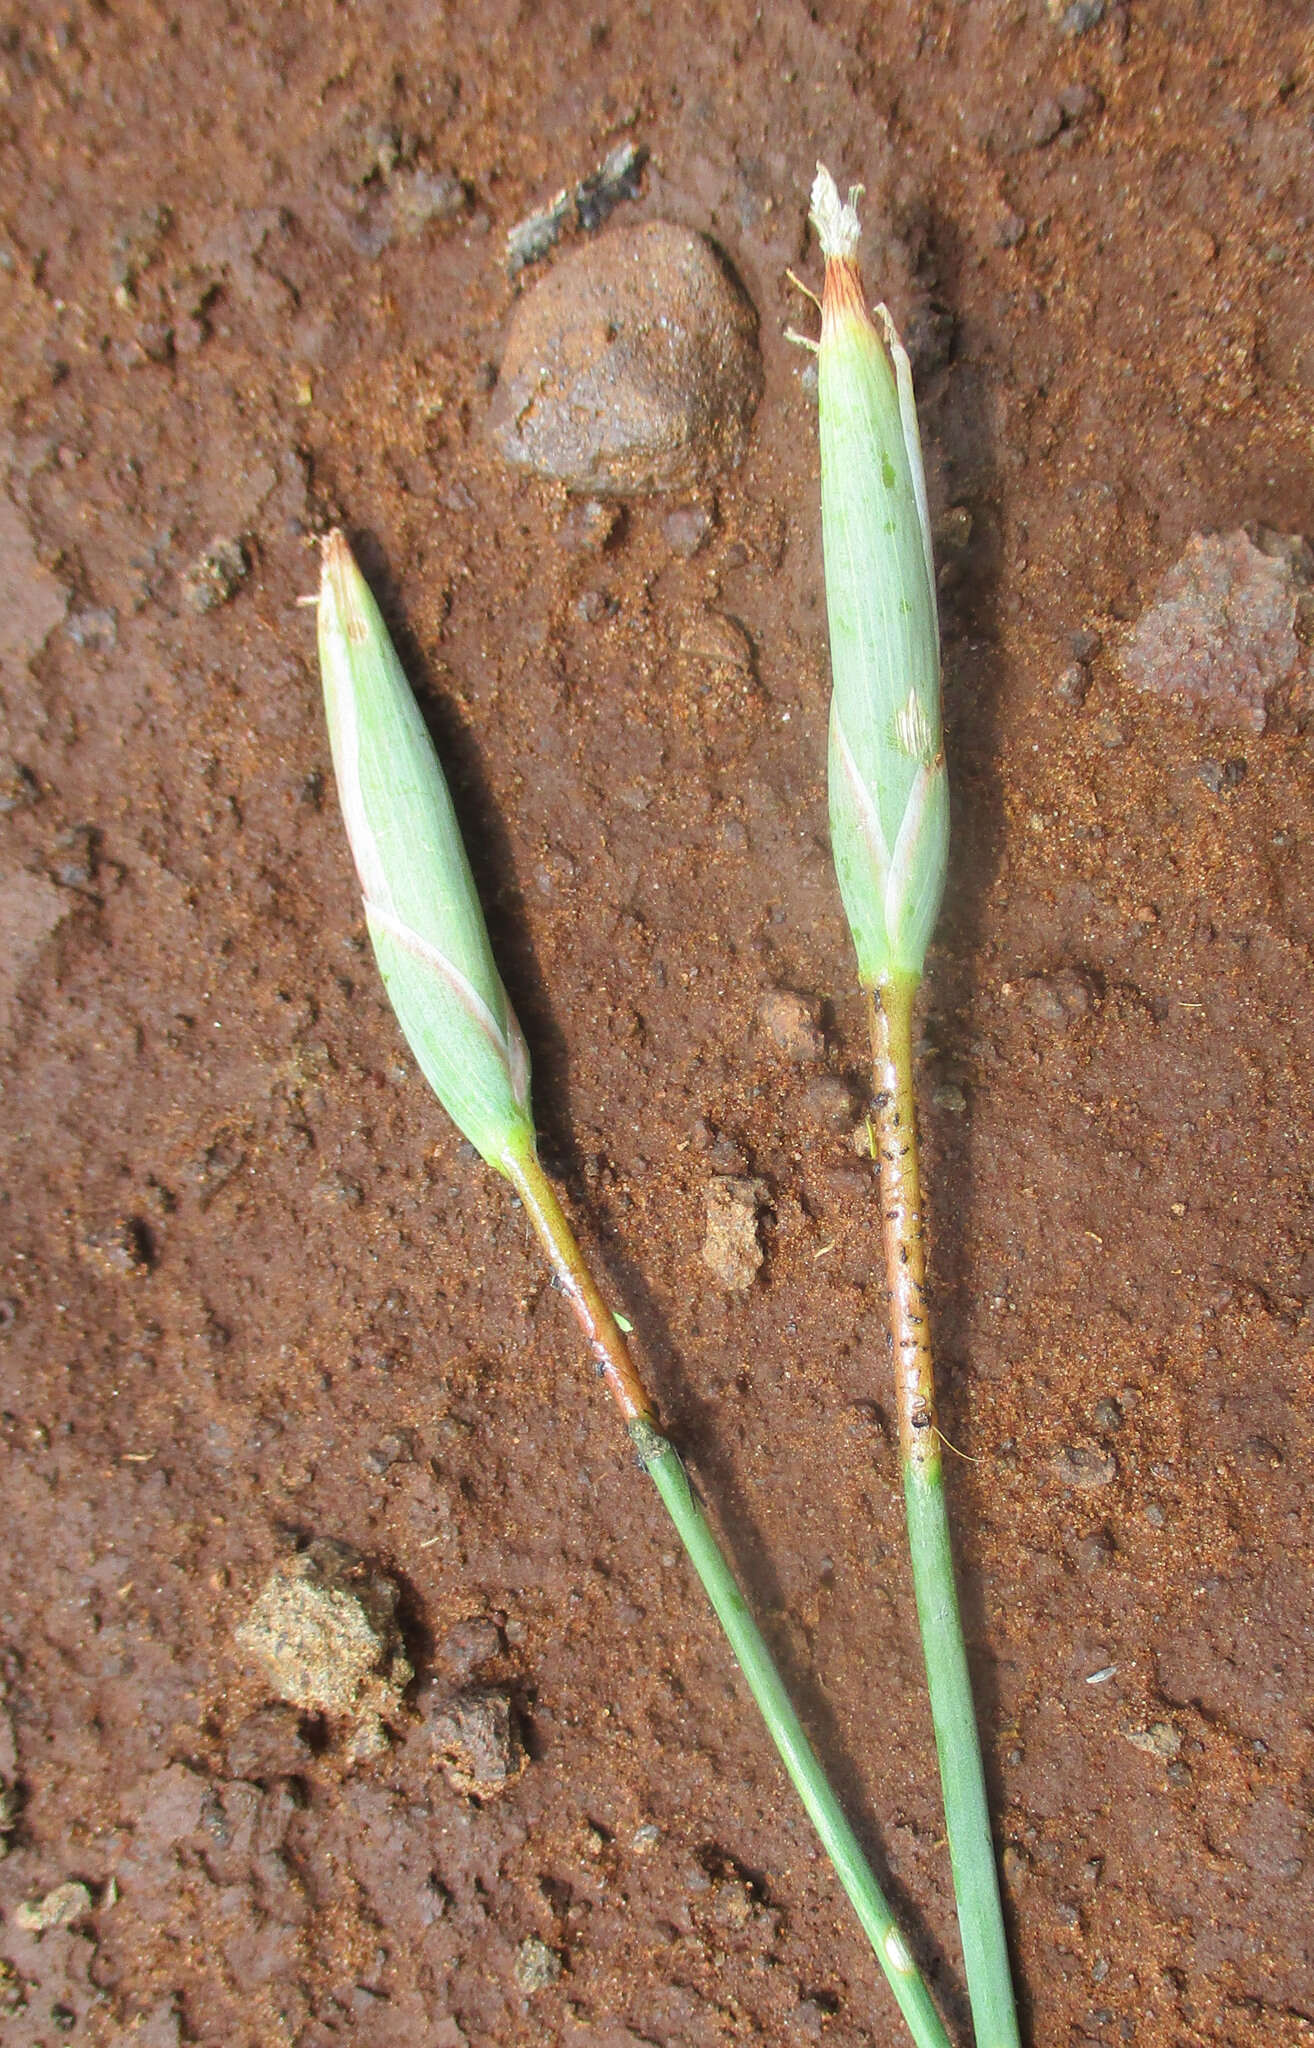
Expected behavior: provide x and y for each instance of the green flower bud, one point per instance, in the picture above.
(889, 801)
(423, 913)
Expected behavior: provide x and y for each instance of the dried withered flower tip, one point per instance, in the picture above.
(889, 805)
(421, 905)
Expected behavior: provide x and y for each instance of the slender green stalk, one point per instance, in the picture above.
(957, 1742)
(889, 819)
(431, 943)
(662, 1463)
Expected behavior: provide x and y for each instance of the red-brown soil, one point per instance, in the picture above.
(254, 1292)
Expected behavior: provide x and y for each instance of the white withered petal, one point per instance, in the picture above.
(889, 808)
(421, 906)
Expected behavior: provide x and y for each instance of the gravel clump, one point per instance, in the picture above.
(324, 1630)
(1225, 632)
(732, 1247)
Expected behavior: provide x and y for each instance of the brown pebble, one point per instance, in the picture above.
(476, 1739)
(719, 646)
(732, 1247)
(476, 1640)
(268, 1744)
(1072, 684)
(216, 575)
(792, 1022)
(1045, 123)
(1093, 1551)
(829, 1102)
(687, 529)
(632, 367)
(589, 526)
(1062, 998)
(1084, 1468)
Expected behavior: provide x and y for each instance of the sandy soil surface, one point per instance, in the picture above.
(257, 1298)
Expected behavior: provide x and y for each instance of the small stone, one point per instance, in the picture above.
(324, 1629)
(1084, 1468)
(121, 1251)
(1010, 229)
(732, 1248)
(76, 854)
(63, 1907)
(633, 367)
(421, 197)
(536, 1966)
(718, 647)
(476, 1739)
(152, 342)
(1016, 1865)
(1062, 998)
(268, 1744)
(469, 1643)
(35, 601)
(1156, 1738)
(169, 1806)
(1075, 17)
(1072, 684)
(18, 787)
(1094, 1551)
(589, 526)
(1221, 635)
(1220, 778)
(1106, 1415)
(732, 1901)
(396, 1448)
(1084, 644)
(1045, 123)
(1078, 103)
(791, 1020)
(96, 629)
(216, 575)
(947, 1095)
(136, 245)
(687, 529)
(829, 1101)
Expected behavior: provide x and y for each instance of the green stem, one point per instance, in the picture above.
(796, 1752)
(957, 1740)
(662, 1463)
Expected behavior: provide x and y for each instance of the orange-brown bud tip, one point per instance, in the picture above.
(841, 296)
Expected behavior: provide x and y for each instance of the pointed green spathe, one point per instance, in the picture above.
(421, 907)
(889, 806)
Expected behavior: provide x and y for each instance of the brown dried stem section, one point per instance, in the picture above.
(903, 1228)
(599, 1325)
